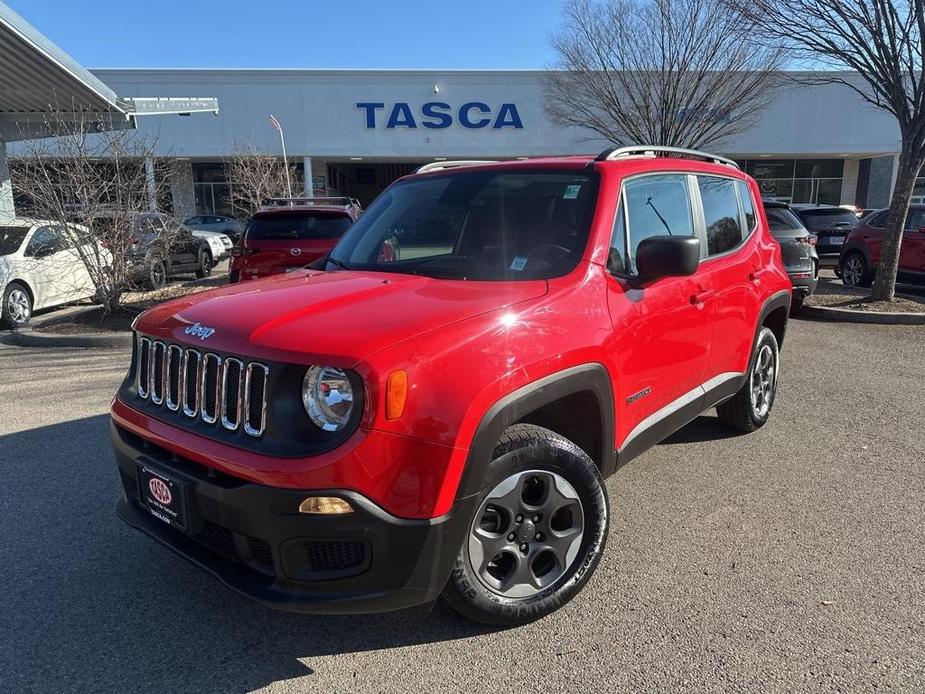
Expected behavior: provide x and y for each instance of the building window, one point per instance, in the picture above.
(815, 181)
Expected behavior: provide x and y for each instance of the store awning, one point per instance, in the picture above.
(38, 79)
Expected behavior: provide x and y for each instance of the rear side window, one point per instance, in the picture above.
(11, 239)
(657, 205)
(877, 220)
(828, 219)
(782, 219)
(297, 226)
(748, 207)
(721, 213)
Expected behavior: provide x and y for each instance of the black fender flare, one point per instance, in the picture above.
(777, 300)
(590, 377)
(855, 246)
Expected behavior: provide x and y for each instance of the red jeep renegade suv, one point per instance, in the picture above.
(289, 233)
(435, 410)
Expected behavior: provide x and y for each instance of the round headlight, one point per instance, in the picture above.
(328, 397)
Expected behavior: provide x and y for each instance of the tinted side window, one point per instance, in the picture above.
(748, 206)
(915, 220)
(616, 260)
(657, 206)
(721, 213)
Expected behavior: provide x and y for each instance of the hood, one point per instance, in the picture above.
(338, 317)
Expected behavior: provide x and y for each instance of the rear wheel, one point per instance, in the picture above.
(157, 274)
(750, 408)
(538, 533)
(16, 310)
(854, 271)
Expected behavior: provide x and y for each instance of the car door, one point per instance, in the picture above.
(663, 329)
(912, 251)
(732, 267)
(41, 266)
(183, 247)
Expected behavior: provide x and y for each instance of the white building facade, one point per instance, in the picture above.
(357, 130)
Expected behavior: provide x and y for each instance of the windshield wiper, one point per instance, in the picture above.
(337, 263)
(655, 210)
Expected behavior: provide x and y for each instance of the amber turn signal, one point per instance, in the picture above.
(396, 394)
(325, 505)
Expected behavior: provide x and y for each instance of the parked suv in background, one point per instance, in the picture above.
(830, 224)
(289, 233)
(861, 253)
(798, 250)
(161, 248)
(436, 410)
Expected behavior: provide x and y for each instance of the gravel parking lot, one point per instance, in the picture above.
(792, 559)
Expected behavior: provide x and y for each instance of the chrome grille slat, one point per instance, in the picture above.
(191, 360)
(209, 387)
(144, 366)
(156, 380)
(232, 371)
(172, 388)
(255, 378)
(204, 386)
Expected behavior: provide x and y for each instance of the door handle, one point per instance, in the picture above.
(756, 275)
(701, 297)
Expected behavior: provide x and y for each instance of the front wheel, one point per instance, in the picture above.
(16, 311)
(538, 533)
(157, 274)
(204, 266)
(750, 408)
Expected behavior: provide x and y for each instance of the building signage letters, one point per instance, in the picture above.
(437, 115)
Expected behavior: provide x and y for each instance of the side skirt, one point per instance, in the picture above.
(675, 415)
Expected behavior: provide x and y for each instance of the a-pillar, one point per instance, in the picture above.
(7, 211)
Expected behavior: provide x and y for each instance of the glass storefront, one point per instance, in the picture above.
(214, 193)
(816, 181)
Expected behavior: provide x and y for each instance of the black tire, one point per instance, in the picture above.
(204, 265)
(522, 450)
(157, 274)
(741, 411)
(854, 270)
(16, 310)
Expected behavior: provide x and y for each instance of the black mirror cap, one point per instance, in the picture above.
(667, 256)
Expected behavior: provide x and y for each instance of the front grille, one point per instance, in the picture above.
(222, 541)
(207, 386)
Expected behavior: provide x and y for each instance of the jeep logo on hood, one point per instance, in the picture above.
(200, 331)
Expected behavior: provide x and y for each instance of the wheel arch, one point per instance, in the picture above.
(25, 285)
(576, 402)
(774, 315)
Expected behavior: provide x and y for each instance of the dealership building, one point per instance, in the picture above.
(352, 132)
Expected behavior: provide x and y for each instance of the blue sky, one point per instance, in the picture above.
(289, 33)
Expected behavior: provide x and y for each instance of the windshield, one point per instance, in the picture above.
(476, 225)
(288, 226)
(826, 219)
(11, 239)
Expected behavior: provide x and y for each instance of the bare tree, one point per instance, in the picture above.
(254, 177)
(91, 186)
(883, 42)
(681, 73)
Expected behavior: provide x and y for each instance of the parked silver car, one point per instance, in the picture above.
(216, 222)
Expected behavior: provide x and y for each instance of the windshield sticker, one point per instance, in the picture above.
(572, 191)
(519, 263)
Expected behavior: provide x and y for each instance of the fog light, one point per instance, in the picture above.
(325, 504)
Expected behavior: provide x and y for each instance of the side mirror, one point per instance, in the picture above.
(667, 256)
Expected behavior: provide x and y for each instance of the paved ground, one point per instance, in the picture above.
(792, 559)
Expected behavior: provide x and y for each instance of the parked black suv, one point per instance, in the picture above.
(830, 224)
(161, 248)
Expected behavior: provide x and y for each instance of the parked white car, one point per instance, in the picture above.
(39, 268)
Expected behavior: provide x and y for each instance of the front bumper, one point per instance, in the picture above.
(253, 539)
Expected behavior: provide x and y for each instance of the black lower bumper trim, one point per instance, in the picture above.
(253, 539)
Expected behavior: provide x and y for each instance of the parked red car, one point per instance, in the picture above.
(861, 252)
(290, 233)
(435, 412)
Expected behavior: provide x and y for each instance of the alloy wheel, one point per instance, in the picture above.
(18, 306)
(526, 533)
(763, 381)
(852, 271)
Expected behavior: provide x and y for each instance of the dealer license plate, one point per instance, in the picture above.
(162, 495)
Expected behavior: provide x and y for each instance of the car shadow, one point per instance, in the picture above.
(89, 602)
(706, 427)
